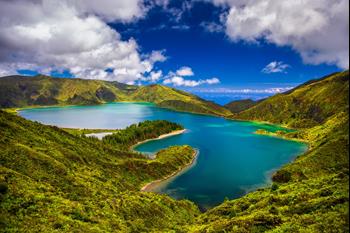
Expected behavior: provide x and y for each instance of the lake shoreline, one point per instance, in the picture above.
(151, 185)
(17, 109)
(163, 181)
(272, 134)
(173, 133)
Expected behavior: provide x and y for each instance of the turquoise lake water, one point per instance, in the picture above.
(231, 162)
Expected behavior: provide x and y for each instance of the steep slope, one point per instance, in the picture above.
(237, 106)
(20, 91)
(53, 181)
(305, 106)
(178, 100)
(310, 194)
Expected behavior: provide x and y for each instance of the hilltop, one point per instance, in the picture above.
(305, 106)
(237, 106)
(22, 91)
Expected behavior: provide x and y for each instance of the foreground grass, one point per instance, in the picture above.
(52, 180)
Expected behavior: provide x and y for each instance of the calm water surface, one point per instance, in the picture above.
(231, 161)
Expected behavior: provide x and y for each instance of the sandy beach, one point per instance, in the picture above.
(176, 132)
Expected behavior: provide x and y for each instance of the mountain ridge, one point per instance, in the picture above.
(304, 106)
(24, 91)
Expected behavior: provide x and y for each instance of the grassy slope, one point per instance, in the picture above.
(19, 91)
(178, 100)
(240, 105)
(305, 106)
(312, 193)
(57, 181)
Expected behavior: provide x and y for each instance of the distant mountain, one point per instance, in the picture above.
(237, 106)
(175, 99)
(21, 91)
(305, 106)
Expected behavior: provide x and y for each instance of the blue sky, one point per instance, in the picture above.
(212, 48)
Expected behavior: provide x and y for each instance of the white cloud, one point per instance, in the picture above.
(155, 76)
(157, 56)
(212, 81)
(58, 35)
(111, 10)
(185, 71)
(317, 30)
(177, 78)
(180, 81)
(275, 67)
(212, 27)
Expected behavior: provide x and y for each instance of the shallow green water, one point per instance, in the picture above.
(231, 161)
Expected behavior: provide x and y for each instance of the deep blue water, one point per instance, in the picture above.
(231, 161)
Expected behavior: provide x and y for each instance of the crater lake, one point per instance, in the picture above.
(231, 160)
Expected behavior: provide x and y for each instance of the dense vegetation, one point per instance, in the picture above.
(125, 138)
(54, 181)
(237, 106)
(178, 100)
(21, 91)
(305, 106)
(312, 193)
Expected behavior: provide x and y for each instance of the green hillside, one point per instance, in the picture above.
(305, 106)
(21, 91)
(53, 181)
(56, 181)
(178, 100)
(237, 106)
(309, 195)
(312, 193)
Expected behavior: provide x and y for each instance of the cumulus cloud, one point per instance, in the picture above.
(72, 36)
(275, 67)
(111, 10)
(155, 76)
(317, 30)
(185, 71)
(180, 81)
(157, 56)
(177, 78)
(212, 81)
